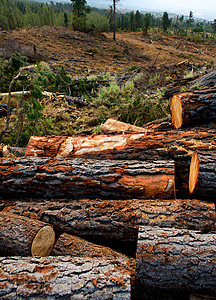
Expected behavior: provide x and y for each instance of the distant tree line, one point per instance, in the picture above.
(22, 14)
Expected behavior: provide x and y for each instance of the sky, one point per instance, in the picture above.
(201, 8)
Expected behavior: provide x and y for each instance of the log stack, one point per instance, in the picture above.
(139, 191)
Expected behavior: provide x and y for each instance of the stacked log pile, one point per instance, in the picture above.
(144, 188)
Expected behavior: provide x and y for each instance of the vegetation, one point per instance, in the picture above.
(22, 13)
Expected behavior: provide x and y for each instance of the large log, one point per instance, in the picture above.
(149, 145)
(64, 278)
(175, 259)
(24, 236)
(117, 219)
(193, 108)
(202, 183)
(79, 178)
(174, 144)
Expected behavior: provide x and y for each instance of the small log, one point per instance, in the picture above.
(64, 278)
(23, 236)
(175, 259)
(75, 246)
(79, 178)
(112, 125)
(202, 182)
(193, 108)
(117, 219)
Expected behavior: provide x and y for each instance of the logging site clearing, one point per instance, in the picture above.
(107, 166)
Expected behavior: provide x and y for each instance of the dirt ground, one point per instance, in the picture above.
(83, 53)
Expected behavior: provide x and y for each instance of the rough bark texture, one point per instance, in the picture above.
(74, 246)
(18, 233)
(79, 178)
(118, 219)
(206, 184)
(152, 145)
(193, 108)
(174, 259)
(174, 144)
(64, 278)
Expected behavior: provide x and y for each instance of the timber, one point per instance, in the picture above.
(193, 108)
(24, 236)
(77, 247)
(64, 277)
(79, 178)
(112, 125)
(117, 219)
(175, 259)
(202, 182)
(149, 145)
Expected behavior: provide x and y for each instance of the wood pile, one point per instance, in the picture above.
(94, 203)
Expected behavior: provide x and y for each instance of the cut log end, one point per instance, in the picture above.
(176, 111)
(194, 172)
(43, 242)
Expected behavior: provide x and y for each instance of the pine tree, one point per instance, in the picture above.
(165, 21)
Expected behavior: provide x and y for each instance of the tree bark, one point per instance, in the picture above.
(79, 178)
(193, 108)
(23, 236)
(202, 182)
(77, 247)
(117, 219)
(149, 145)
(175, 144)
(64, 278)
(174, 259)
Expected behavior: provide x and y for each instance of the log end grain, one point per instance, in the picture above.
(176, 111)
(194, 172)
(43, 242)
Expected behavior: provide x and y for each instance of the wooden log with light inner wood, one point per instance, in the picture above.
(193, 108)
(175, 259)
(202, 183)
(79, 178)
(64, 277)
(25, 236)
(117, 219)
(175, 144)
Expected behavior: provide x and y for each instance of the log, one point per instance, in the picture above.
(79, 178)
(23, 236)
(117, 219)
(202, 182)
(64, 278)
(193, 108)
(174, 144)
(77, 247)
(112, 125)
(175, 259)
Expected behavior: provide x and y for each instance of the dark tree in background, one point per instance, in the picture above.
(114, 19)
(79, 8)
(165, 21)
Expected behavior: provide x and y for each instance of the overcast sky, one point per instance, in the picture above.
(200, 8)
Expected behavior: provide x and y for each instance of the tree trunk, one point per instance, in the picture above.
(75, 246)
(175, 144)
(23, 236)
(64, 278)
(149, 145)
(202, 182)
(117, 219)
(193, 108)
(115, 126)
(175, 259)
(79, 178)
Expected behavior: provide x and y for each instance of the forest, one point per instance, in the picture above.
(24, 14)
